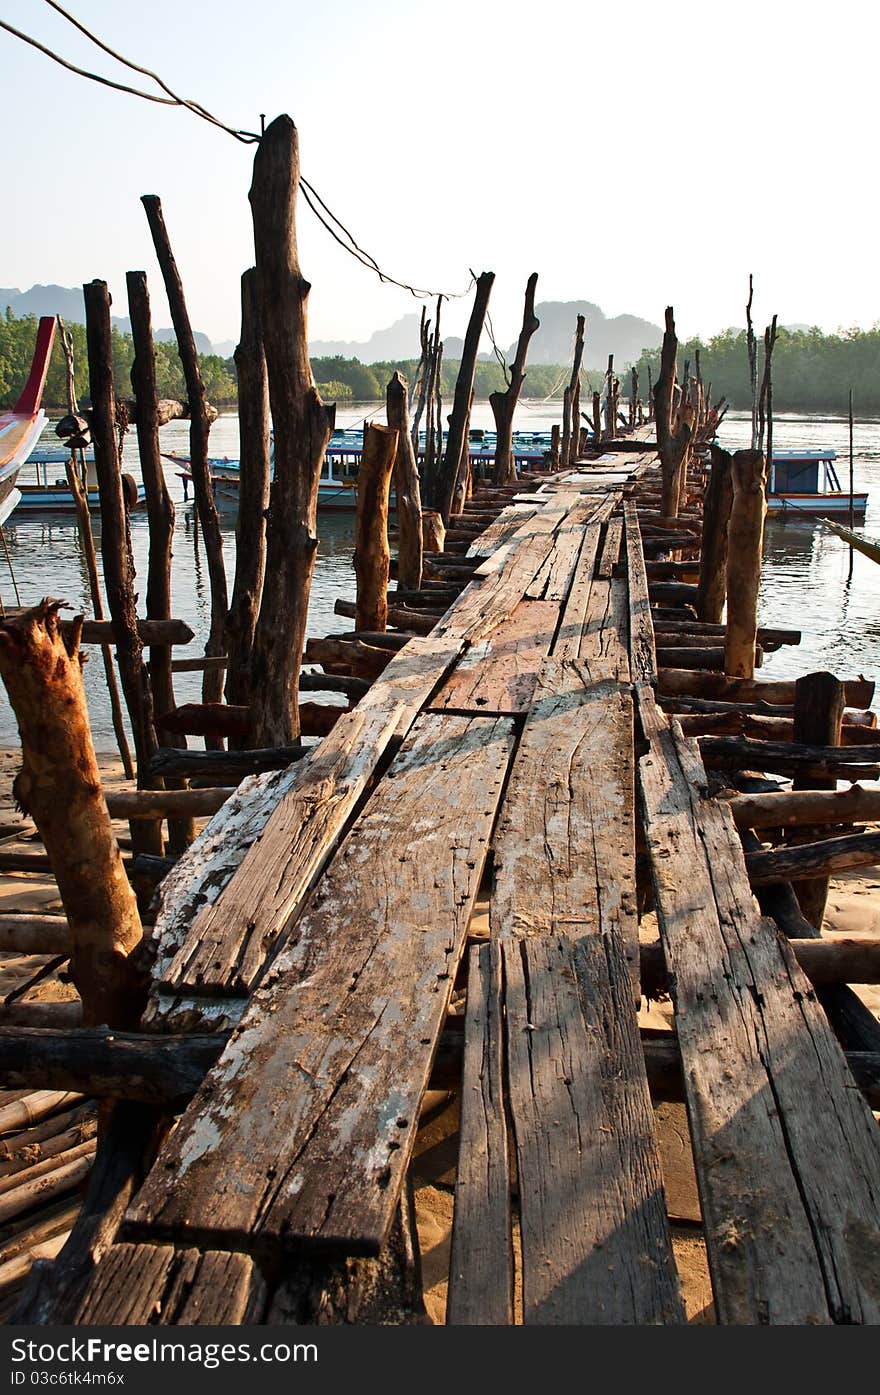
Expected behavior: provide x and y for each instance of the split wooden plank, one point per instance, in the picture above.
(302, 1132)
(786, 1151)
(481, 1265)
(642, 655)
(553, 581)
(594, 621)
(142, 1285)
(498, 674)
(611, 547)
(504, 526)
(229, 942)
(565, 843)
(595, 1239)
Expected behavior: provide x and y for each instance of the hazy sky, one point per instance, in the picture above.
(634, 155)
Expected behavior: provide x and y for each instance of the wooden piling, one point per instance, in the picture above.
(503, 404)
(371, 552)
(464, 387)
(717, 502)
(745, 537)
(407, 487)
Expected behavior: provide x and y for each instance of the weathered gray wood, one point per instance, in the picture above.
(595, 1242)
(158, 1070)
(611, 547)
(481, 1263)
(498, 532)
(565, 843)
(498, 674)
(577, 613)
(809, 861)
(789, 757)
(553, 581)
(786, 1151)
(303, 1130)
(229, 941)
(163, 1285)
(642, 656)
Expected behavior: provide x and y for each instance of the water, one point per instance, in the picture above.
(807, 582)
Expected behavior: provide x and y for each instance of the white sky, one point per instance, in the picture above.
(740, 137)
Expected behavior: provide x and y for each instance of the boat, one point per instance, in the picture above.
(337, 487)
(867, 546)
(21, 427)
(806, 482)
(52, 494)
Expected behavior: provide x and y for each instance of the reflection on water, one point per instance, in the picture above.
(807, 583)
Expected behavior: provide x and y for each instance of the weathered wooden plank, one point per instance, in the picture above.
(611, 547)
(604, 652)
(575, 612)
(481, 1264)
(642, 656)
(565, 843)
(302, 1132)
(786, 1151)
(498, 532)
(595, 1242)
(498, 674)
(229, 941)
(145, 1285)
(553, 581)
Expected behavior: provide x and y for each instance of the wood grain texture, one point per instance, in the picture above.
(498, 674)
(229, 941)
(642, 657)
(785, 1149)
(611, 547)
(302, 1132)
(565, 843)
(160, 1285)
(595, 1243)
(481, 1264)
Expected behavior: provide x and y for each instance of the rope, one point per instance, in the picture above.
(343, 236)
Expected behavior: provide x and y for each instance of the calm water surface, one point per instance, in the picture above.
(809, 582)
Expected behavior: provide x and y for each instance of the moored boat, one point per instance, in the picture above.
(20, 428)
(806, 482)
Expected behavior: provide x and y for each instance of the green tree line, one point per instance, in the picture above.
(17, 337)
(811, 371)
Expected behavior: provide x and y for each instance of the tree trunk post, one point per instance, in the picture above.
(253, 496)
(464, 386)
(675, 422)
(199, 428)
(745, 536)
(574, 394)
(554, 446)
(60, 787)
(565, 448)
(407, 488)
(371, 552)
(597, 421)
(818, 715)
(303, 426)
(503, 404)
(433, 531)
(712, 587)
(116, 548)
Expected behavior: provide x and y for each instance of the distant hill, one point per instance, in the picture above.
(67, 301)
(622, 335)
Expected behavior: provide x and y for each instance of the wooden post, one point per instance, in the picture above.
(851, 476)
(433, 531)
(75, 477)
(554, 446)
(745, 537)
(650, 395)
(303, 426)
(423, 374)
(597, 421)
(464, 387)
(818, 715)
(200, 426)
(574, 393)
(407, 488)
(253, 495)
(60, 787)
(565, 448)
(675, 422)
(371, 553)
(503, 404)
(116, 547)
(633, 396)
(718, 498)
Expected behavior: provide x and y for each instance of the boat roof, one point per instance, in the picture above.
(822, 454)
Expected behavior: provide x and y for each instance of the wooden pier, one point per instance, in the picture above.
(313, 942)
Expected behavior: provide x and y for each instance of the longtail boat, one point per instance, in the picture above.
(20, 429)
(805, 482)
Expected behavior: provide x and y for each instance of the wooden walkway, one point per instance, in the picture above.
(323, 920)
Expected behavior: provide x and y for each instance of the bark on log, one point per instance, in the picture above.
(253, 494)
(231, 766)
(790, 758)
(464, 385)
(371, 551)
(818, 714)
(60, 787)
(116, 544)
(717, 502)
(363, 660)
(805, 808)
(814, 860)
(574, 394)
(303, 426)
(674, 425)
(503, 404)
(433, 533)
(745, 538)
(160, 512)
(859, 692)
(200, 426)
(823, 961)
(399, 615)
(407, 486)
(35, 934)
